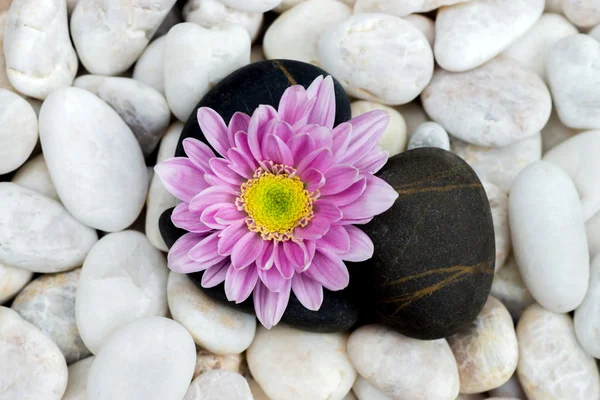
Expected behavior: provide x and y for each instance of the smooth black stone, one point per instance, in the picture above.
(259, 83)
(337, 314)
(434, 255)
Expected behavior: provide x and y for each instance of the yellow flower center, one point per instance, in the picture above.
(275, 204)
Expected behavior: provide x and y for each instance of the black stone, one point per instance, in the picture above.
(434, 249)
(259, 83)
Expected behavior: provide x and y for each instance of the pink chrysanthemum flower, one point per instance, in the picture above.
(276, 210)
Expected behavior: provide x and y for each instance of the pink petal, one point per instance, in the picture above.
(312, 179)
(198, 152)
(239, 123)
(336, 239)
(315, 229)
(272, 279)
(308, 292)
(181, 178)
(220, 167)
(328, 269)
(266, 259)
(339, 178)
(341, 135)
(205, 252)
(239, 163)
(296, 253)
(311, 247)
(214, 129)
(178, 259)
(246, 250)
(215, 274)
(378, 197)
(277, 151)
(373, 161)
(323, 112)
(358, 221)
(283, 265)
(183, 218)
(349, 195)
(239, 284)
(367, 129)
(320, 134)
(210, 196)
(208, 216)
(301, 145)
(328, 210)
(295, 105)
(320, 159)
(361, 246)
(241, 142)
(256, 129)
(281, 129)
(270, 306)
(230, 236)
(228, 214)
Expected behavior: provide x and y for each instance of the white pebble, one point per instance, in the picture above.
(486, 351)
(429, 134)
(377, 57)
(150, 358)
(78, 377)
(472, 33)
(294, 34)
(511, 389)
(38, 52)
(309, 365)
(508, 287)
(34, 175)
(32, 366)
(394, 138)
(533, 47)
(197, 58)
(214, 326)
(555, 133)
(207, 361)
(4, 82)
(219, 385)
(552, 364)
(49, 304)
(587, 315)
(548, 236)
(18, 131)
(401, 8)
(123, 278)
(257, 6)
(402, 367)
(210, 13)
(12, 280)
(573, 77)
(504, 103)
(583, 13)
(365, 391)
(498, 200)
(425, 25)
(592, 229)
(142, 108)
(94, 159)
(150, 67)
(110, 35)
(38, 234)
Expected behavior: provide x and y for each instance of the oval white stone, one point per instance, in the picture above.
(487, 351)
(150, 358)
(110, 35)
(38, 51)
(219, 385)
(257, 6)
(78, 377)
(38, 234)
(150, 67)
(18, 130)
(123, 278)
(425, 25)
(498, 200)
(213, 326)
(401, 8)
(587, 315)
(508, 287)
(402, 367)
(4, 82)
(552, 253)
(377, 57)
(34, 175)
(504, 101)
(429, 134)
(197, 58)
(365, 391)
(31, 366)
(94, 160)
(583, 13)
(472, 33)
(294, 34)
(547, 344)
(309, 365)
(12, 280)
(394, 138)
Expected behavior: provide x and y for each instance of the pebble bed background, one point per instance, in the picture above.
(516, 93)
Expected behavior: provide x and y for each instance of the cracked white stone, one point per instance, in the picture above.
(365, 391)
(31, 366)
(401, 8)
(552, 253)
(34, 175)
(78, 376)
(295, 34)
(123, 278)
(38, 234)
(257, 6)
(309, 365)
(110, 35)
(94, 159)
(219, 385)
(504, 101)
(214, 326)
(429, 134)
(583, 13)
(508, 287)
(547, 344)
(12, 280)
(401, 367)
(151, 358)
(587, 315)
(394, 138)
(18, 131)
(197, 58)
(472, 33)
(142, 108)
(209, 13)
(150, 67)
(37, 49)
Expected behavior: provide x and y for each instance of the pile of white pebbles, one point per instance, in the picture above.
(511, 86)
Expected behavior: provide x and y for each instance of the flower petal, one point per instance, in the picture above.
(295, 105)
(361, 246)
(215, 274)
(266, 259)
(308, 292)
(214, 129)
(210, 196)
(336, 239)
(230, 236)
(256, 129)
(301, 145)
(270, 306)
(198, 152)
(205, 251)
(181, 178)
(239, 284)
(339, 178)
(208, 216)
(312, 179)
(311, 247)
(367, 129)
(320, 159)
(246, 250)
(378, 197)
(178, 259)
(220, 167)
(239, 123)
(296, 253)
(316, 228)
(328, 210)
(320, 134)
(228, 214)
(239, 163)
(272, 279)
(342, 134)
(323, 112)
(277, 151)
(183, 218)
(373, 161)
(283, 265)
(349, 195)
(329, 270)
(281, 129)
